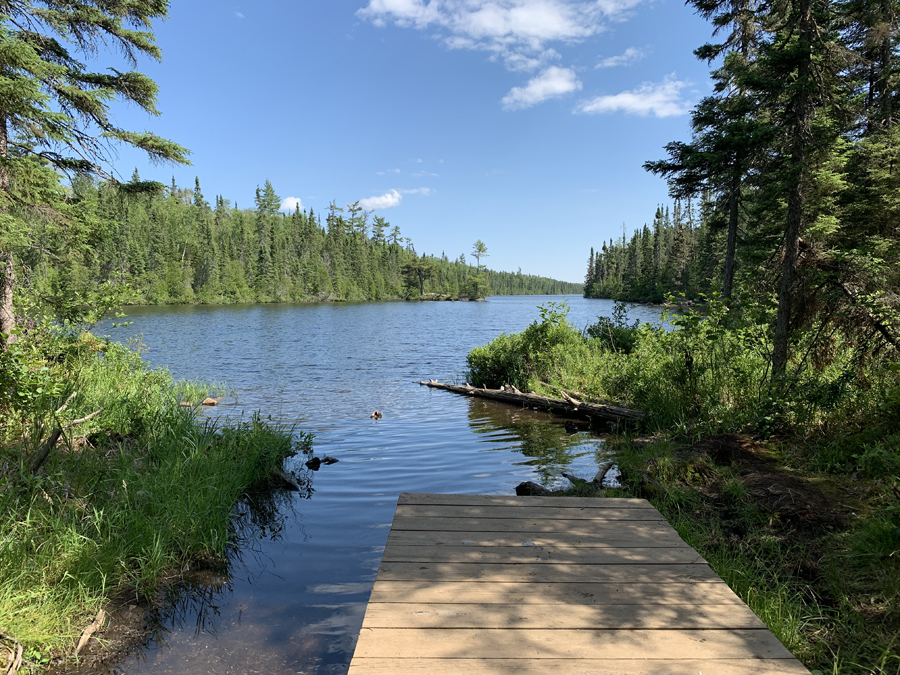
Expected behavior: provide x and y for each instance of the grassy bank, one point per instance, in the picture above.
(814, 555)
(792, 494)
(141, 491)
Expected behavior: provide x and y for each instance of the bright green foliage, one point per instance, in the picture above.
(525, 359)
(114, 511)
(55, 116)
(708, 375)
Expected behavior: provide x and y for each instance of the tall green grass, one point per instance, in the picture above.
(143, 490)
(830, 595)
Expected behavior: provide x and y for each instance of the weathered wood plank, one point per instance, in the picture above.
(530, 513)
(526, 586)
(578, 593)
(734, 615)
(635, 537)
(506, 643)
(541, 572)
(576, 667)
(535, 525)
(519, 502)
(535, 554)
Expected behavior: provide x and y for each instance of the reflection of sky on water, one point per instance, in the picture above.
(294, 596)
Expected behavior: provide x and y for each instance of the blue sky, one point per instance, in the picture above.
(523, 123)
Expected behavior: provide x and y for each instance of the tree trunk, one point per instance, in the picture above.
(799, 125)
(7, 273)
(731, 242)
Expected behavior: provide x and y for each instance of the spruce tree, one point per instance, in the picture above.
(55, 112)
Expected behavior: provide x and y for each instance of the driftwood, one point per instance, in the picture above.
(43, 451)
(568, 405)
(601, 474)
(92, 628)
(15, 654)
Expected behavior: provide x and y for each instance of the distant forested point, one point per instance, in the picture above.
(679, 253)
(169, 245)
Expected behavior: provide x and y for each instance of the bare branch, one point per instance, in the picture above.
(66, 404)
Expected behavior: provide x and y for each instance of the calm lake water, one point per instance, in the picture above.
(294, 598)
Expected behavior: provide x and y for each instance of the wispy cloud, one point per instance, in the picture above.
(551, 83)
(381, 173)
(291, 203)
(392, 198)
(239, 15)
(514, 31)
(660, 99)
(626, 58)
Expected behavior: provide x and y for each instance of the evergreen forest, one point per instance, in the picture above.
(786, 195)
(675, 255)
(170, 245)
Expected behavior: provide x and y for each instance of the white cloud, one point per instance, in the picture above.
(239, 15)
(381, 173)
(626, 58)
(391, 198)
(551, 83)
(385, 201)
(291, 203)
(662, 99)
(516, 31)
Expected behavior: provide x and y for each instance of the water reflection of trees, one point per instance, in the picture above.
(261, 515)
(540, 437)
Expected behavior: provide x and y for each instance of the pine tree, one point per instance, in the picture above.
(55, 114)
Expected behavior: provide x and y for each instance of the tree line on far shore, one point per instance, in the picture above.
(169, 245)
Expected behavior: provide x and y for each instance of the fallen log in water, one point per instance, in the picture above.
(568, 404)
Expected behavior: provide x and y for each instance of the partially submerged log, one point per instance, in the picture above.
(567, 405)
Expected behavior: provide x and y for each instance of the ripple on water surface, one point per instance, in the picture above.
(295, 595)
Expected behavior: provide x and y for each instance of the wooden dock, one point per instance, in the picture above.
(475, 585)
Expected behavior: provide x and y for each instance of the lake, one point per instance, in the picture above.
(294, 597)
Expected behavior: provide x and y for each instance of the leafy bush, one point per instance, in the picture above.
(708, 374)
(526, 359)
(615, 333)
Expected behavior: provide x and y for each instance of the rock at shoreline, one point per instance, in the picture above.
(314, 463)
(210, 402)
(329, 460)
(530, 489)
